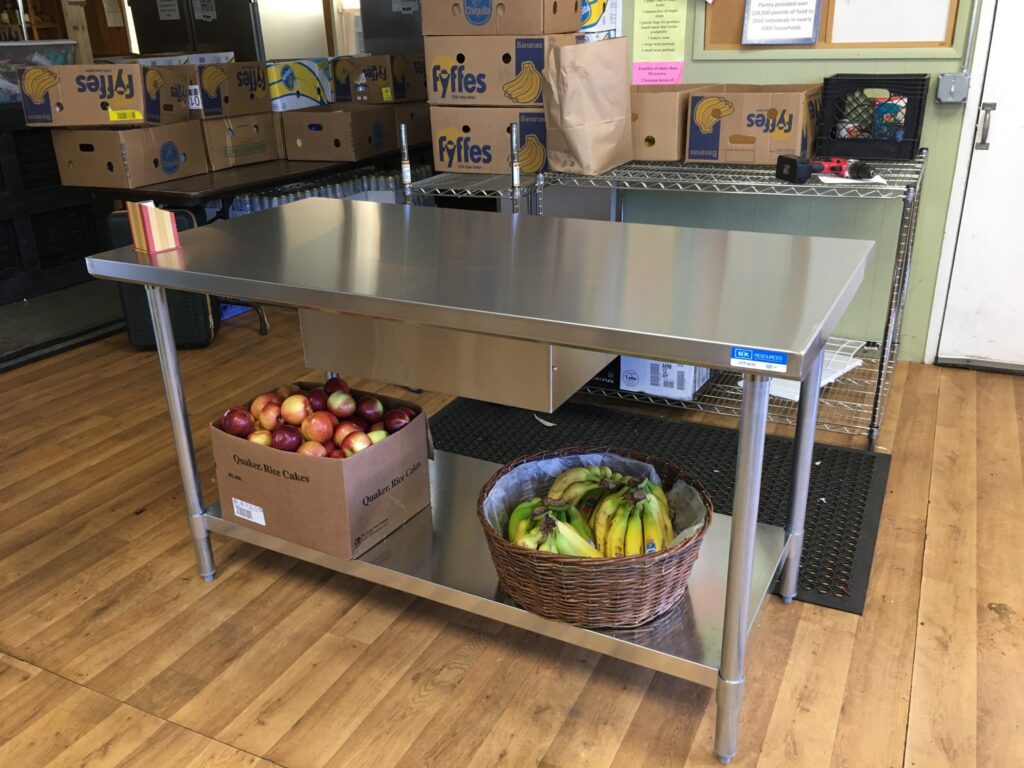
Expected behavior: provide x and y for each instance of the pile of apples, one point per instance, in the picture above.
(327, 421)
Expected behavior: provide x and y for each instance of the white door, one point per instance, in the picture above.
(983, 324)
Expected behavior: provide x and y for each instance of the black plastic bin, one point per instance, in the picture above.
(872, 117)
(195, 317)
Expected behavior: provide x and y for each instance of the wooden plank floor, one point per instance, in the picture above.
(113, 652)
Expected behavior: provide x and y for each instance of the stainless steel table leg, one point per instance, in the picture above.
(803, 452)
(179, 426)
(753, 421)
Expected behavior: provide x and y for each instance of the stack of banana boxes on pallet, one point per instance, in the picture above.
(484, 65)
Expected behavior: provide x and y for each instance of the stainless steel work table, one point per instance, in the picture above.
(760, 304)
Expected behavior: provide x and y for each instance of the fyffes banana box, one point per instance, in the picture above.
(752, 124)
(228, 89)
(299, 83)
(476, 140)
(103, 95)
(381, 79)
(503, 17)
(488, 71)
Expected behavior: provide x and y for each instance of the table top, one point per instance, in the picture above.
(194, 190)
(717, 298)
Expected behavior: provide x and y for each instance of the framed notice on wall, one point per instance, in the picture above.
(781, 22)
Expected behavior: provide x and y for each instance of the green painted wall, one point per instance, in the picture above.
(870, 220)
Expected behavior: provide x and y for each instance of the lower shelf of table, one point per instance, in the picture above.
(441, 555)
(846, 405)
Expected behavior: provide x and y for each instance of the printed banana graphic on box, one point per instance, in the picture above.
(153, 82)
(526, 86)
(710, 111)
(531, 155)
(37, 81)
(212, 78)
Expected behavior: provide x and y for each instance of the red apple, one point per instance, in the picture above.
(295, 409)
(355, 442)
(270, 417)
(370, 408)
(341, 404)
(317, 427)
(395, 419)
(343, 430)
(260, 401)
(220, 421)
(334, 419)
(287, 438)
(317, 399)
(336, 453)
(237, 423)
(407, 411)
(309, 448)
(335, 384)
(363, 424)
(377, 425)
(377, 435)
(261, 437)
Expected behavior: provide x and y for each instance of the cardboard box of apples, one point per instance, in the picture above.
(278, 469)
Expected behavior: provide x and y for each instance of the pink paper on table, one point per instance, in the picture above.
(657, 72)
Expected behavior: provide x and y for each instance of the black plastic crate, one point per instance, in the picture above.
(872, 117)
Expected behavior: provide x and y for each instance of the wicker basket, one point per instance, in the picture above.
(595, 592)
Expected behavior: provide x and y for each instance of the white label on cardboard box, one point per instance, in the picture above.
(247, 511)
(195, 101)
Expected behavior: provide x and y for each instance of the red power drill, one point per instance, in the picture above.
(798, 169)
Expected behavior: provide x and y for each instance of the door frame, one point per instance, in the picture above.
(961, 175)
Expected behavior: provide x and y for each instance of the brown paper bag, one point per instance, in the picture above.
(586, 106)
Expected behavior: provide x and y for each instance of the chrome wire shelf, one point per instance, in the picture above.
(845, 406)
(472, 185)
(742, 180)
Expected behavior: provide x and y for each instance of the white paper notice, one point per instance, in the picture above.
(112, 10)
(781, 22)
(204, 10)
(167, 10)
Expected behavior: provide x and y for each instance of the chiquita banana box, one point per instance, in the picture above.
(477, 140)
(752, 124)
(115, 95)
(228, 89)
(487, 71)
(379, 79)
(299, 83)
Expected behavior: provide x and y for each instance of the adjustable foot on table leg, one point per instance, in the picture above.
(724, 760)
(787, 600)
(729, 695)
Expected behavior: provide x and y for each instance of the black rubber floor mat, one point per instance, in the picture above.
(844, 504)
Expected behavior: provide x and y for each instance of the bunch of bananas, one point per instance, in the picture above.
(532, 155)
(594, 512)
(37, 81)
(709, 111)
(153, 82)
(524, 88)
(211, 79)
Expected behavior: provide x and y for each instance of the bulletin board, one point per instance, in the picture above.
(847, 24)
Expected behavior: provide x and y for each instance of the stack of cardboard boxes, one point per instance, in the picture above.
(135, 123)
(132, 123)
(484, 65)
(370, 96)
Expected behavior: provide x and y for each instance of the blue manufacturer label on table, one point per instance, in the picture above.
(759, 359)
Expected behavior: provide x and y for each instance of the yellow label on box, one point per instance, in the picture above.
(120, 115)
(385, 93)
